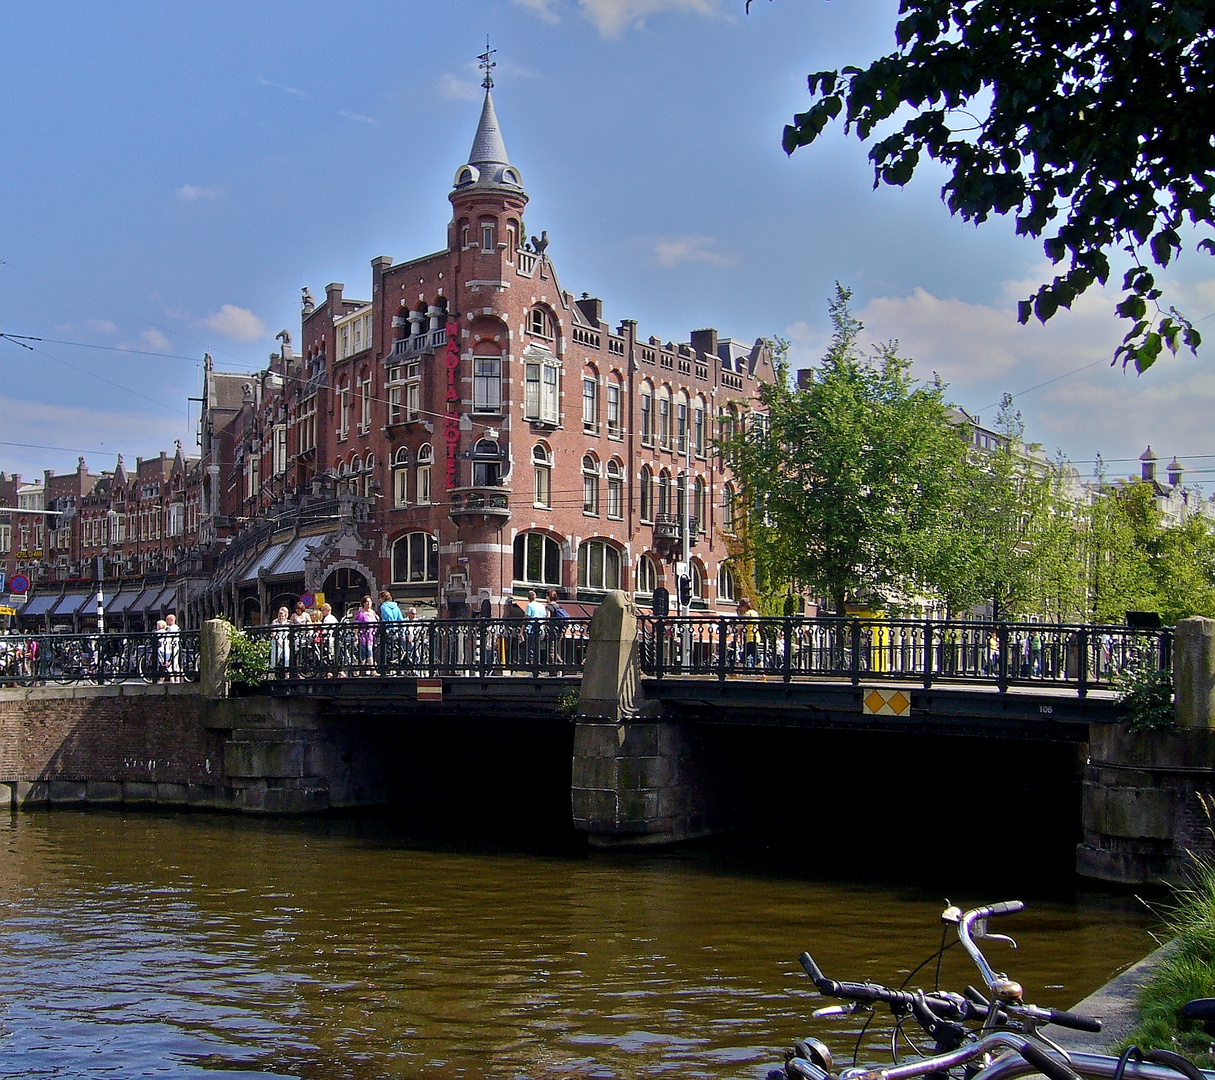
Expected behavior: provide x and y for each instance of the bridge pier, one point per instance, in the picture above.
(636, 779)
(1146, 793)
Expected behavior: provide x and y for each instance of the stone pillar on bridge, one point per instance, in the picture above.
(637, 779)
(214, 647)
(1143, 806)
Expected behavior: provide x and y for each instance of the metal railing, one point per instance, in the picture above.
(429, 648)
(1003, 655)
(67, 659)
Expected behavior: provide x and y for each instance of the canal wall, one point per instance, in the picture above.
(171, 745)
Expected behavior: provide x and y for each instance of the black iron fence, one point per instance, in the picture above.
(428, 648)
(925, 651)
(63, 659)
(1001, 655)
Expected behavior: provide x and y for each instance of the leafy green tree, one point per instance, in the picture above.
(1125, 539)
(1090, 122)
(1012, 538)
(847, 478)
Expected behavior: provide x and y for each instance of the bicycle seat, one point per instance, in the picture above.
(1201, 1009)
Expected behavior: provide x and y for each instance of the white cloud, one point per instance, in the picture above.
(100, 326)
(358, 118)
(454, 88)
(193, 193)
(613, 17)
(99, 434)
(154, 339)
(279, 86)
(240, 324)
(541, 8)
(1059, 373)
(680, 250)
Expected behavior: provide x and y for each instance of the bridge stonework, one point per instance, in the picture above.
(172, 746)
(1147, 794)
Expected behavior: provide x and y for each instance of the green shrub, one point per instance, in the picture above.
(1145, 695)
(248, 659)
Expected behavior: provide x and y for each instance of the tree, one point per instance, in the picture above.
(846, 478)
(1090, 121)
(1012, 536)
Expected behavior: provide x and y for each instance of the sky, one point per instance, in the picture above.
(171, 175)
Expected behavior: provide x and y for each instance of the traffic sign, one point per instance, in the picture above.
(307, 599)
(19, 584)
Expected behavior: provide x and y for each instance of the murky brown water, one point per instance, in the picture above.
(179, 945)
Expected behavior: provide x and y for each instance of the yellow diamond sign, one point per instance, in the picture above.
(877, 702)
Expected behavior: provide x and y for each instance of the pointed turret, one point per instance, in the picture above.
(488, 167)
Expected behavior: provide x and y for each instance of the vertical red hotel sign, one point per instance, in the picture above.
(451, 419)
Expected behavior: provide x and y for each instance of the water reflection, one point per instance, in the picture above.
(133, 945)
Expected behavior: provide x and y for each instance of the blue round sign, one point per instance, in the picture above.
(307, 599)
(19, 584)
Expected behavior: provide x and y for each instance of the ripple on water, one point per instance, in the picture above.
(183, 945)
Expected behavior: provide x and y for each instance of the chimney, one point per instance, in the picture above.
(705, 341)
(592, 308)
(1175, 472)
(333, 297)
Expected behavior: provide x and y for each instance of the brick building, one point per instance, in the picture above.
(469, 432)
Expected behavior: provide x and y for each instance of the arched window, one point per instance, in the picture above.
(540, 323)
(590, 402)
(542, 462)
(369, 476)
(647, 493)
(400, 478)
(415, 559)
(615, 408)
(647, 576)
(727, 508)
(343, 409)
(681, 493)
(698, 581)
(590, 484)
(664, 418)
(664, 492)
(486, 463)
(364, 401)
(537, 559)
(681, 422)
(615, 490)
(698, 427)
(647, 414)
(426, 457)
(725, 583)
(598, 566)
(699, 520)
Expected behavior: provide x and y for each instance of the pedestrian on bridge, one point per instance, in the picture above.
(366, 618)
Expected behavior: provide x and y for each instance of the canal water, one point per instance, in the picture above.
(194, 945)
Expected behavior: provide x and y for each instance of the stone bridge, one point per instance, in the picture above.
(637, 758)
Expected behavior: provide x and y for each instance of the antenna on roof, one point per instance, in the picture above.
(487, 65)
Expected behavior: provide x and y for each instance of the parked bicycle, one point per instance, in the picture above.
(977, 1035)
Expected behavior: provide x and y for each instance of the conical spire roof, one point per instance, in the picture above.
(488, 165)
(488, 147)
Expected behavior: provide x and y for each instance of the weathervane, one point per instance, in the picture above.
(487, 65)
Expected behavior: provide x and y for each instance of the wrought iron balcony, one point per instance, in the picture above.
(486, 502)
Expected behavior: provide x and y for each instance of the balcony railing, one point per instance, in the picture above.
(484, 501)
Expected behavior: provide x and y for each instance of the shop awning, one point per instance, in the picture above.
(263, 562)
(39, 605)
(119, 602)
(70, 603)
(297, 551)
(166, 601)
(143, 601)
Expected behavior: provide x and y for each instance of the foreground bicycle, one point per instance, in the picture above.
(978, 1036)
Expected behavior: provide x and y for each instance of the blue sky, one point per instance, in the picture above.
(172, 175)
